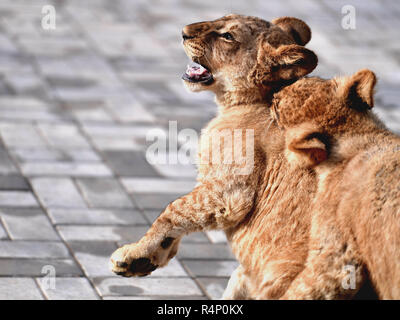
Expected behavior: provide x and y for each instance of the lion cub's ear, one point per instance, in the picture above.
(297, 29)
(287, 62)
(358, 90)
(306, 146)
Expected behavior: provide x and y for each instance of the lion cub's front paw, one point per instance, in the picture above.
(126, 263)
(139, 260)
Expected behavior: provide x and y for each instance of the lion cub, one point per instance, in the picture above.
(355, 218)
(257, 202)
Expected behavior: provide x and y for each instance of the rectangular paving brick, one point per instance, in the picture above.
(74, 169)
(19, 289)
(96, 216)
(214, 287)
(22, 103)
(28, 224)
(172, 269)
(64, 136)
(150, 286)
(154, 200)
(129, 163)
(54, 155)
(69, 288)
(210, 268)
(216, 236)
(58, 192)
(104, 193)
(154, 185)
(35, 267)
(205, 251)
(6, 165)
(17, 199)
(132, 131)
(102, 233)
(120, 144)
(178, 171)
(94, 256)
(21, 135)
(33, 249)
(13, 182)
(130, 111)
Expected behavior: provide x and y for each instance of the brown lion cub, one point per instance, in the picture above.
(257, 199)
(355, 217)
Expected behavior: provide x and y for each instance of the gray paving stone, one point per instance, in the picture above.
(53, 46)
(33, 249)
(17, 199)
(23, 103)
(21, 135)
(96, 216)
(97, 115)
(94, 256)
(84, 65)
(19, 289)
(17, 267)
(130, 112)
(26, 84)
(28, 224)
(121, 131)
(74, 169)
(99, 233)
(129, 163)
(36, 154)
(179, 171)
(116, 144)
(6, 165)
(64, 136)
(28, 116)
(214, 287)
(13, 182)
(154, 200)
(172, 269)
(150, 286)
(216, 236)
(104, 193)
(57, 192)
(209, 268)
(154, 185)
(70, 288)
(54, 155)
(205, 251)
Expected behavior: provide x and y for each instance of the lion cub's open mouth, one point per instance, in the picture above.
(197, 73)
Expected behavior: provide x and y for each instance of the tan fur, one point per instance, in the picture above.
(263, 211)
(355, 216)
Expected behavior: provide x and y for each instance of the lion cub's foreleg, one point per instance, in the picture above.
(211, 205)
(237, 288)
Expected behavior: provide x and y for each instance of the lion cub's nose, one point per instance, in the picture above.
(185, 36)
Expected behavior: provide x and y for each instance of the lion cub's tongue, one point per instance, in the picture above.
(196, 71)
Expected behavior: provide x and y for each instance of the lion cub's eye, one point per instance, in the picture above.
(226, 36)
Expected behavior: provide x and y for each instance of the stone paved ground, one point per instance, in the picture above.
(75, 106)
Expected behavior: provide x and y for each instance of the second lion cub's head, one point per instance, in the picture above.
(239, 52)
(322, 119)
